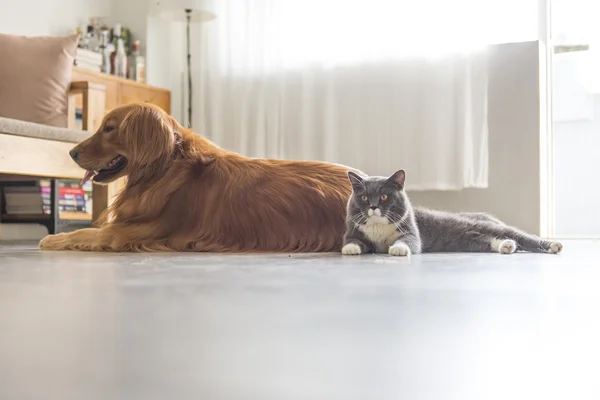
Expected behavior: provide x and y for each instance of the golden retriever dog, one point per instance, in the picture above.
(184, 193)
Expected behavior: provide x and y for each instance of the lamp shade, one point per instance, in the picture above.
(175, 10)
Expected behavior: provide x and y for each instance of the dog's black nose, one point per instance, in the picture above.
(74, 154)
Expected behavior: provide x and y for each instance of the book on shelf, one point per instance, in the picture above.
(23, 200)
(88, 59)
(73, 199)
(90, 56)
(78, 119)
(89, 66)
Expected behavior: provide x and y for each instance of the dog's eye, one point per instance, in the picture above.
(364, 198)
(384, 197)
(108, 128)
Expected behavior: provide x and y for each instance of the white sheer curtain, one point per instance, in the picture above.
(378, 85)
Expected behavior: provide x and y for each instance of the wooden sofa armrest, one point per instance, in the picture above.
(93, 104)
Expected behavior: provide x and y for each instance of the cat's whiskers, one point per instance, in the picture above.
(358, 219)
(396, 219)
(355, 218)
(393, 217)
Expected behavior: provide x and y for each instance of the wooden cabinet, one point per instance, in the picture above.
(139, 93)
(121, 91)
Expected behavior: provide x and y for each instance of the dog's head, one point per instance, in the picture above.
(131, 138)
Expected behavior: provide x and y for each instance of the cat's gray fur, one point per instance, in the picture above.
(381, 219)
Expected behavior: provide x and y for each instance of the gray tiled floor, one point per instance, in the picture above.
(205, 326)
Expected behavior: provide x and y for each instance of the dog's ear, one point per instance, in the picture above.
(147, 134)
(181, 134)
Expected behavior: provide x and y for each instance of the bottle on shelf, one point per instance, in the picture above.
(121, 59)
(106, 48)
(137, 64)
(118, 58)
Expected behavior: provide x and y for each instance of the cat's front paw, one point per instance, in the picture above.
(399, 249)
(351, 249)
(507, 246)
(555, 248)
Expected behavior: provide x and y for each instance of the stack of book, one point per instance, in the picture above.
(88, 59)
(71, 199)
(74, 200)
(46, 201)
(23, 200)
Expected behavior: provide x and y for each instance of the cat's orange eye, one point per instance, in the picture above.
(384, 197)
(364, 198)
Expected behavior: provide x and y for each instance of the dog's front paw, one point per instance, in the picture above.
(399, 249)
(53, 242)
(351, 249)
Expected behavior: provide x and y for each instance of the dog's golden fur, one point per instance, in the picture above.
(184, 193)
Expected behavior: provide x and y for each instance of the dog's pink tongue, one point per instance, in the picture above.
(88, 175)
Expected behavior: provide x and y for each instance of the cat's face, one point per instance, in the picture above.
(377, 200)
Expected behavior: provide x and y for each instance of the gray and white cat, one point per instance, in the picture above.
(381, 219)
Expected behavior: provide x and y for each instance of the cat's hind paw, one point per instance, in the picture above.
(507, 246)
(351, 249)
(399, 249)
(555, 248)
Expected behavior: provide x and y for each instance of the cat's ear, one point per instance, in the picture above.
(398, 178)
(356, 180)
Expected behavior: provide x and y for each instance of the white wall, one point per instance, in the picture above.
(133, 15)
(165, 59)
(577, 143)
(162, 42)
(514, 193)
(48, 17)
(576, 167)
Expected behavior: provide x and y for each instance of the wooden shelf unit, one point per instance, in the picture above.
(123, 91)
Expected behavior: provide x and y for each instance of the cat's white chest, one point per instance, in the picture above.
(382, 235)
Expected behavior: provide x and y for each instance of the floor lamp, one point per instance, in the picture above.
(187, 11)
